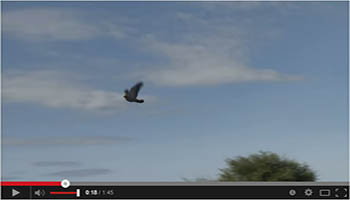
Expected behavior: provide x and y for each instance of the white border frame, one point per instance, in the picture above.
(184, 183)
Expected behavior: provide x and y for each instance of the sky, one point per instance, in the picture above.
(221, 80)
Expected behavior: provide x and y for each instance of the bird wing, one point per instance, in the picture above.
(135, 90)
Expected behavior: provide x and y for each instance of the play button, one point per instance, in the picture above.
(14, 192)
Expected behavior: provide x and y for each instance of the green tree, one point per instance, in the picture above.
(265, 166)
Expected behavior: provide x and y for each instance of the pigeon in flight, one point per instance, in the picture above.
(131, 95)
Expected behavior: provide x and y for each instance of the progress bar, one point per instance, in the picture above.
(31, 183)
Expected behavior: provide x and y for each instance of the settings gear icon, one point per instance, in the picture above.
(308, 192)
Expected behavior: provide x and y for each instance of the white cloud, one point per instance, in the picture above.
(57, 24)
(56, 89)
(206, 61)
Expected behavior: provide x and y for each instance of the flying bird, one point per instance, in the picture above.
(131, 95)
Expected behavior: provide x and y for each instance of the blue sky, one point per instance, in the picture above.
(222, 79)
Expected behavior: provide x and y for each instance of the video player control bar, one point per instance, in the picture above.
(57, 191)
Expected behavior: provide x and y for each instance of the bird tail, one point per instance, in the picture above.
(139, 100)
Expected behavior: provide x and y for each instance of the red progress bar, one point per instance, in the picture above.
(63, 192)
(30, 183)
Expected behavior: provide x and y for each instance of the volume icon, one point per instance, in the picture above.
(40, 193)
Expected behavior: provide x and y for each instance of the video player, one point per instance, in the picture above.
(174, 100)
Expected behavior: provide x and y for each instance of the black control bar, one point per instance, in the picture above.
(176, 192)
